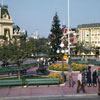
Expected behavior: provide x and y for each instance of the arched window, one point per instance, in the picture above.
(6, 32)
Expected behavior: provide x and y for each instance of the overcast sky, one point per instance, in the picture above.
(38, 14)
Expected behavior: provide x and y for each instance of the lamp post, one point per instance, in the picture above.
(62, 51)
(68, 36)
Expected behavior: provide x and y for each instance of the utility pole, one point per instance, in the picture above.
(68, 31)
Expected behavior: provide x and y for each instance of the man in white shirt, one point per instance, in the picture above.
(80, 83)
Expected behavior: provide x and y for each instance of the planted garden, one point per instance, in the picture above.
(75, 67)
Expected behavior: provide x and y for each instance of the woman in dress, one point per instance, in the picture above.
(94, 76)
(89, 76)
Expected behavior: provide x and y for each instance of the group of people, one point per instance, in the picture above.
(85, 77)
(89, 78)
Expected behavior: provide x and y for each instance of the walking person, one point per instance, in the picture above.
(80, 83)
(70, 78)
(94, 76)
(89, 76)
(84, 77)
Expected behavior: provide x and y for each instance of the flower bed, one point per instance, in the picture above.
(58, 67)
(75, 67)
(56, 75)
(78, 67)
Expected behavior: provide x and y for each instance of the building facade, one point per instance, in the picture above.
(8, 31)
(89, 33)
(6, 24)
(19, 34)
(72, 35)
(35, 35)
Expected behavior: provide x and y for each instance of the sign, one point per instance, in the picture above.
(65, 57)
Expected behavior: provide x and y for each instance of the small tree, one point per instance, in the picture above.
(79, 48)
(56, 34)
(5, 53)
(21, 52)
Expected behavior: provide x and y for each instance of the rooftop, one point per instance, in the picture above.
(4, 13)
(89, 25)
(3, 6)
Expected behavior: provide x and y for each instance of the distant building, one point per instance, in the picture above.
(89, 33)
(35, 35)
(8, 32)
(6, 24)
(18, 33)
(72, 34)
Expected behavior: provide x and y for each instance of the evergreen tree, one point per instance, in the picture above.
(56, 34)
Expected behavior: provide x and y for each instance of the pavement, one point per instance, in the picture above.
(53, 97)
(33, 91)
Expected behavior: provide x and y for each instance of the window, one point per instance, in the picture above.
(71, 34)
(92, 34)
(95, 34)
(99, 34)
(95, 41)
(6, 31)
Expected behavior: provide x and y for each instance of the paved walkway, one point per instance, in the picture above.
(45, 90)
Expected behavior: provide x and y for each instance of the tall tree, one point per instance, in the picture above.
(56, 34)
(21, 52)
(16, 52)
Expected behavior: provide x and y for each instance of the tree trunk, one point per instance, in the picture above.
(18, 72)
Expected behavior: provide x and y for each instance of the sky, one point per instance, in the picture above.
(38, 15)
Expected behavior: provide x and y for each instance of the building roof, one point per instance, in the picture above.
(89, 25)
(5, 6)
(4, 10)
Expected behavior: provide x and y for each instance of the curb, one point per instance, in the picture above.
(64, 71)
(52, 96)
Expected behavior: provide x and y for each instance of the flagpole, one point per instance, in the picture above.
(68, 35)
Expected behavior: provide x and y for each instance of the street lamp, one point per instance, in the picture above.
(62, 51)
(68, 35)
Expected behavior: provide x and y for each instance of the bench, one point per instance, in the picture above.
(45, 81)
(91, 61)
(10, 83)
(75, 60)
(83, 62)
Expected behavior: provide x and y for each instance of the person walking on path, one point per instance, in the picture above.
(80, 83)
(89, 76)
(84, 76)
(70, 78)
(94, 76)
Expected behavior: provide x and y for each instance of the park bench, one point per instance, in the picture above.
(44, 81)
(97, 63)
(75, 60)
(8, 83)
(83, 62)
(91, 61)
(7, 70)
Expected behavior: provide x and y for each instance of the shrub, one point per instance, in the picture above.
(73, 64)
(75, 67)
(56, 75)
(58, 67)
(78, 67)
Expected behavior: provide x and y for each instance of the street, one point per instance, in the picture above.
(71, 97)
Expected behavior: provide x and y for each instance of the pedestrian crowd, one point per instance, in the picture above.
(85, 78)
